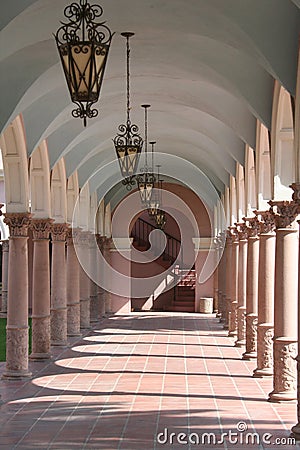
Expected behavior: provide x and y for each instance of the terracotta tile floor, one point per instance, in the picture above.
(133, 378)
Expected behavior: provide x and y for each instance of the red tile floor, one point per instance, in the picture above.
(145, 381)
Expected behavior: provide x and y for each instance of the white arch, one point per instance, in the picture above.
(100, 218)
(107, 221)
(72, 195)
(263, 167)
(250, 182)
(240, 192)
(227, 206)
(84, 208)
(15, 165)
(40, 182)
(297, 123)
(58, 192)
(282, 145)
(233, 201)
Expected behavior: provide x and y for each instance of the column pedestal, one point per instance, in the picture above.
(58, 321)
(41, 290)
(17, 301)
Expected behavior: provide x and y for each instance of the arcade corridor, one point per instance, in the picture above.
(133, 377)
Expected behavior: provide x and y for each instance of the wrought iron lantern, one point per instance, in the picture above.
(83, 45)
(146, 179)
(160, 219)
(128, 143)
(154, 202)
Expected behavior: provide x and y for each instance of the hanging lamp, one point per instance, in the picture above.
(128, 143)
(83, 45)
(146, 179)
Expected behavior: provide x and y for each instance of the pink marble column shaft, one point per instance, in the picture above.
(234, 282)
(242, 284)
(73, 293)
(252, 288)
(228, 280)
(17, 300)
(41, 289)
(84, 281)
(216, 279)
(100, 290)
(222, 279)
(94, 300)
(107, 255)
(285, 302)
(58, 322)
(266, 280)
(5, 250)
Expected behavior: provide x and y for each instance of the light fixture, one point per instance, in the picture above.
(128, 143)
(154, 203)
(83, 46)
(146, 180)
(160, 216)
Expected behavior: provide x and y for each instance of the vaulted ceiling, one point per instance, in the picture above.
(207, 67)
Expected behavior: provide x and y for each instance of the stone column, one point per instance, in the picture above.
(5, 249)
(227, 302)
(107, 255)
(234, 282)
(285, 301)
(17, 300)
(84, 280)
(41, 289)
(58, 322)
(296, 428)
(94, 300)
(73, 294)
(100, 290)
(222, 278)
(266, 280)
(242, 284)
(216, 278)
(252, 288)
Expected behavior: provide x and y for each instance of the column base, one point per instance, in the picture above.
(74, 334)
(232, 333)
(59, 343)
(240, 343)
(16, 375)
(87, 327)
(39, 356)
(261, 373)
(277, 397)
(249, 355)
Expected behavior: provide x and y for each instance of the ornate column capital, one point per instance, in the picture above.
(73, 236)
(234, 235)
(253, 227)
(242, 231)
(41, 228)
(5, 245)
(84, 238)
(284, 213)
(18, 223)
(59, 232)
(266, 221)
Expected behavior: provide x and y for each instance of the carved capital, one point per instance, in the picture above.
(59, 232)
(253, 226)
(73, 236)
(18, 223)
(242, 231)
(266, 221)
(41, 228)
(234, 236)
(284, 213)
(5, 245)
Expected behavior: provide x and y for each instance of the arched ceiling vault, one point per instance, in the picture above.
(207, 67)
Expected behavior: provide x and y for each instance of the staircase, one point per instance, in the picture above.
(183, 280)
